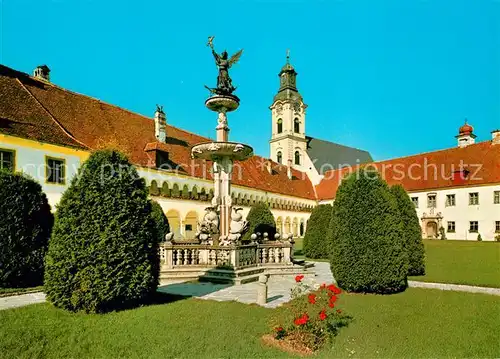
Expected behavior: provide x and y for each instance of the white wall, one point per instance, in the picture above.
(32, 162)
(486, 213)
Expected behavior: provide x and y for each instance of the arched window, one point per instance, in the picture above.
(296, 126)
(279, 157)
(280, 125)
(297, 158)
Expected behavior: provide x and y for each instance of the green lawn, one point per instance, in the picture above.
(462, 262)
(416, 323)
(458, 262)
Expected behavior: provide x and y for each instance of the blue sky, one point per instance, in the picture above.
(392, 77)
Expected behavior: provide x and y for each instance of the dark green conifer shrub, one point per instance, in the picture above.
(412, 232)
(366, 236)
(261, 220)
(316, 242)
(25, 226)
(161, 220)
(103, 254)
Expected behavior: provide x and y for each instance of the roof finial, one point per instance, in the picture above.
(288, 56)
(466, 120)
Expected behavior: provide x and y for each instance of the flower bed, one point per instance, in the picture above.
(311, 319)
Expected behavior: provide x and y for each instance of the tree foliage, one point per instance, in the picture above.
(260, 220)
(103, 254)
(161, 220)
(366, 235)
(412, 232)
(25, 227)
(316, 242)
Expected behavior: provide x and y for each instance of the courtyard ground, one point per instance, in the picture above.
(416, 323)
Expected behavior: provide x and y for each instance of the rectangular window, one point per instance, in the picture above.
(497, 226)
(415, 201)
(451, 227)
(496, 197)
(431, 201)
(473, 198)
(7, 160)
(188, 227)
(450, 200)
(55, 170)
(473, 226)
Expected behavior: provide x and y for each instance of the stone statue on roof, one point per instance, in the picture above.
(224, 83)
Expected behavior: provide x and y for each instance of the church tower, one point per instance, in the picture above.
(288, 142)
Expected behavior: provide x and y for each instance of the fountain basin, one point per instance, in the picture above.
(222, 103)
(215, 150)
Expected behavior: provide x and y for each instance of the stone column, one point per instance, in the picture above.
(223, 168)
(222, 128)
(262, 290)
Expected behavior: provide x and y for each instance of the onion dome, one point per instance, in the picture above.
(466, 129)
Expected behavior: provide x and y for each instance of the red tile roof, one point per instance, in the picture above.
(476, 164)
(41, 111)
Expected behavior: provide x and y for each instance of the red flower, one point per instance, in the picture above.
(331, 304)
(339, 311)
(334, 289)
(301, 320)
(312, 298)
(299, 278)
(322, 286)
(279, 329)
(333, 299)
(322, 315)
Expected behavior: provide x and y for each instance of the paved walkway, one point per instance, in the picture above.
(21, 300)
(455, 287)
(278, 289)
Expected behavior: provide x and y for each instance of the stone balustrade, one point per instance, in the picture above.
(174, 255)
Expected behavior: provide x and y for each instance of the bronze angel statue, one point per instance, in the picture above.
(224, 83)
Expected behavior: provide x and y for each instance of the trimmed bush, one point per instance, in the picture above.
(260, 219)
(161, 220)
(25, 226)
(366, 236)
(103, 254)
(412, 233)
(316, 242)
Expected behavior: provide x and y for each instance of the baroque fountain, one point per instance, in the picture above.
(218, 253)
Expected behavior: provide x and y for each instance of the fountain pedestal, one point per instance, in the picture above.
(222, 153)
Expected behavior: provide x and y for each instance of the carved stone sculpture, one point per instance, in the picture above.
(238, 226)
(209, 226)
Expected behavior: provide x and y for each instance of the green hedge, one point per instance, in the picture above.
(366, 235)
(103, 254)
(316, 242)
(161, 220)
(260, 219)
(25, 226)
(412, 232)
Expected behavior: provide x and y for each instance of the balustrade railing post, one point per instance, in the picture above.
(234, 257)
